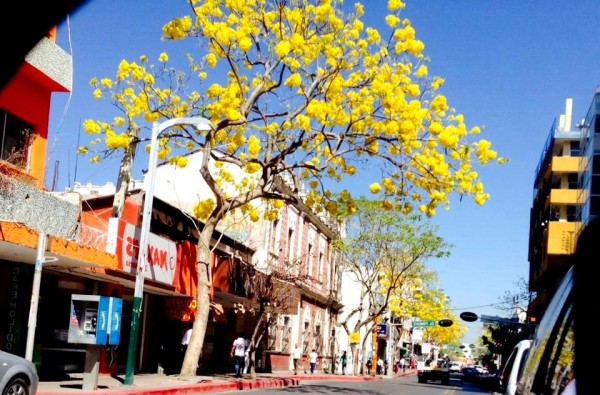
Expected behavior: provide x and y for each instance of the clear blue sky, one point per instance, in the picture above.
(509, 66)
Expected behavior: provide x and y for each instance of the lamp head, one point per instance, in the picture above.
(204, 124)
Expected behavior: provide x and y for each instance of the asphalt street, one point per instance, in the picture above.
(392, 386)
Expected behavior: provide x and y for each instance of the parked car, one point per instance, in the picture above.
(17, 375)
(455, 367)
(550, 363)
(507, 379)
(469, 374)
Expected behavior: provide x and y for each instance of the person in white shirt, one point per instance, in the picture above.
(247, 356)
(379, 366)
(296, 355)
(185, 339)
(238, 353)
(312, 357)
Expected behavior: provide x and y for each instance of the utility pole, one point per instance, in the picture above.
(35, 295)
(142, 256)
(40, 258)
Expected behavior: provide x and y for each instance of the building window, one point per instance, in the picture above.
(285, 336)
(320, 269)
(274, 236)
(596, 165)
(595, 205)
(595, 185)
(272, 335)
(317, 336)
(575, 151)
(305, 337)
(572, 180)
(14, 139)
(571, 213)
(290, 249)
(309, 260)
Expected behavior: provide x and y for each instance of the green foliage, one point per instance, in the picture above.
(501, 338)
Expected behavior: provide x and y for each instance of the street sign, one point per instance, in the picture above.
(417, 335)
(382, 331)
(422, 324)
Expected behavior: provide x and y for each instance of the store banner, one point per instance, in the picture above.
(124, 241)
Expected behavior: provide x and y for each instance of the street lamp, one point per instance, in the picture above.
(142, 256)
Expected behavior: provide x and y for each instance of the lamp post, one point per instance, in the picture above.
(142, 256)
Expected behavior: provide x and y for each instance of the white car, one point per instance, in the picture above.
(455, 367)
(17, 375)
(513, 368)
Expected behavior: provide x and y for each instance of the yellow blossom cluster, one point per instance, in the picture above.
(204, 208)
(303, 86)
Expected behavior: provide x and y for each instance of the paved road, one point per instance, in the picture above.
(395, 386)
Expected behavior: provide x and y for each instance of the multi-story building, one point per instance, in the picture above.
(589, 180)
(297, 246)
(25, 206)
(300, 243)
(562, 204)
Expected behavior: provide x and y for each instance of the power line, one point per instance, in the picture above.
(478, 307)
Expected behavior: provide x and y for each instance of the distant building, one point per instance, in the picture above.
(566, 196)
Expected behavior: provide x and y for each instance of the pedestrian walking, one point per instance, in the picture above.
(379, 365)
(369, 366)
(247, 355)
(344, 361)
(238, 353)
(185, 341)
(296, 355)
(313, 360)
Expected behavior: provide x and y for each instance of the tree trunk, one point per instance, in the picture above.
(257, 337)
(194, 350)
(354, 359)
(123, 181)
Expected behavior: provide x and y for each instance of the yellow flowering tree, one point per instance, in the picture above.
(300, 89)
(431, 304)
(421, 299)
(385, 255)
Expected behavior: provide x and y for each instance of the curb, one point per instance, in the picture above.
(221, 386)
(191, 388)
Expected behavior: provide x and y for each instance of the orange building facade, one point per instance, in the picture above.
(82, 250)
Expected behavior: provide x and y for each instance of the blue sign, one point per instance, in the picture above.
(102, 320)
(381, 329)
(116, 311)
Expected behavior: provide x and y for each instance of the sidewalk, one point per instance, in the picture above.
(157, 384)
